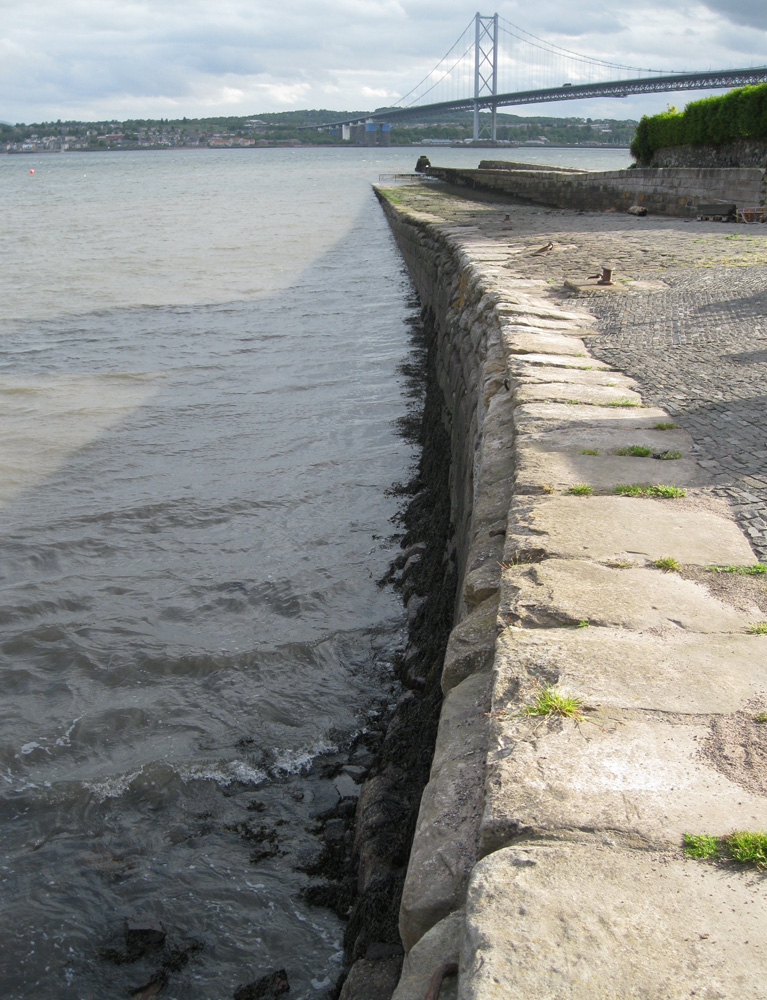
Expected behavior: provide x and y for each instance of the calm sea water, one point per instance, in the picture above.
(199, 390)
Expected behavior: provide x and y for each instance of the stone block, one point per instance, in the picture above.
(444, 847)
(463, 723)
(439, 945)
(626, 528)
(559, 592)
(537, 468)
(651, 777)
(588, 922)
(533, 373)
(471, 644)
(687, 672)
(573, 392)
(526, 340)
(516, 363)
(538, 417)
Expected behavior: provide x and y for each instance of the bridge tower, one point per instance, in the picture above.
(485, 72)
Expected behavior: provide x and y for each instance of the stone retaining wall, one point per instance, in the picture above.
(534, 834)
(478, 411)
(665, 191)
(743, 153)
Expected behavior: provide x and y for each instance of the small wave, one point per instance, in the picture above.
(111, 788)
(299, 761)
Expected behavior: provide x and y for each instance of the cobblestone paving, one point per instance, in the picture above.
(699, 350)
(687, 320)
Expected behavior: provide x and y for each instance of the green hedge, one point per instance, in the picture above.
(740, 114)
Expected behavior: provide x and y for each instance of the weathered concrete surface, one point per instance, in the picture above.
(574, 813)
(597, 922)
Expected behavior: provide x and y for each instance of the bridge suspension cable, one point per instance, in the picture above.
(467, 31)
(558, 49)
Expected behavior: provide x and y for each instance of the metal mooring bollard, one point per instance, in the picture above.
(607, 276)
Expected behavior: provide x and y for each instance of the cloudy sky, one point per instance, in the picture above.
(116, 59)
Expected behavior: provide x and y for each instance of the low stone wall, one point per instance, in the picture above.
(744, 153)
(665, 190)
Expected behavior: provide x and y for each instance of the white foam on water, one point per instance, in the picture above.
(298, 761)
(111, 788)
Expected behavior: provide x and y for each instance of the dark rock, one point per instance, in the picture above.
(381, 949)
(266, 988)
(335, 829)
(143, 935)
(372, 980)
(153, 985)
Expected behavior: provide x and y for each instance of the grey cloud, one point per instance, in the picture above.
(747, 12)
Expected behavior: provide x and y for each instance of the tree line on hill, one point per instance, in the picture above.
(281, 127)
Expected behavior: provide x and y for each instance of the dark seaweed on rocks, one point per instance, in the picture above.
(424, 573)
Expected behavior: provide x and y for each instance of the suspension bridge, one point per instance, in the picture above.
(496, 64)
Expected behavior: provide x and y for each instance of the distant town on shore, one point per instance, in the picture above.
(285, 129)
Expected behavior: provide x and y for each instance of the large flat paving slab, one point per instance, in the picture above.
(625, 528)
(651, 777)
(539, 468)
(561, 592)
(686, 673)
(592, 922)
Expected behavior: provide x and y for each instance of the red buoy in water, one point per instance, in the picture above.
(31, 171)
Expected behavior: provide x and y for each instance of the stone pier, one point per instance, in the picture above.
(609, 450)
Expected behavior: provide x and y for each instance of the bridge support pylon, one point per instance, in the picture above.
(485, 72)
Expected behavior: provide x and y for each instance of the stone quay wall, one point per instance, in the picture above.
(478, 415)
(676, 191)
(547, 858)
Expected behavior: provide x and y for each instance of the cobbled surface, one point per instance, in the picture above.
(700, 351)
(687, 319)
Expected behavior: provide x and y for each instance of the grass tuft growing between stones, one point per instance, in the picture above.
(579, 490)
(624, 401)
(746, 847)
(548, 701)
(664, 425)
(644, 490)
(755, 569)
(635, 451)
(667, 563)
(757, 628)
(760, 717)
(668, 456)
(589, 451)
